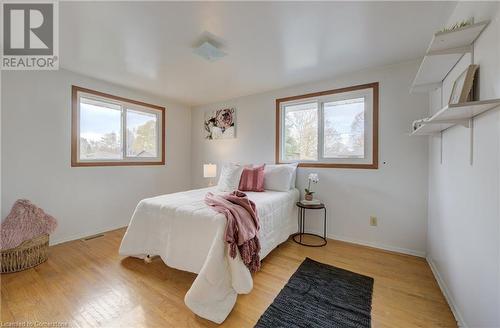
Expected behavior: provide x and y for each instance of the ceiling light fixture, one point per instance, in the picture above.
(209, 52)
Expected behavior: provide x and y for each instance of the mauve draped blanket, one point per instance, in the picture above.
(242, 225)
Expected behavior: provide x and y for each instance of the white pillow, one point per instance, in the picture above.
(279, 177)
(230, 177)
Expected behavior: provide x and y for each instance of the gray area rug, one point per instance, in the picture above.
(321, 295)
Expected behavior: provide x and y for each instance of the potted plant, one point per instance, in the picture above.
(313, 177)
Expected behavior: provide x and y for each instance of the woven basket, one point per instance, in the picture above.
(27, 255)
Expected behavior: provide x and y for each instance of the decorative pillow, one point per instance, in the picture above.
(229, 177)
(279, 177)
(252, 178)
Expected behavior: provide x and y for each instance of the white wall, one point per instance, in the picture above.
(36, 132)
(464, 221)
(1, 178)
(396, 193)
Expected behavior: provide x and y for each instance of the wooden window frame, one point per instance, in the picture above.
(375, 128)
(75, 130)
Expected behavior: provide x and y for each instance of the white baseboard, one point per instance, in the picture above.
(446, 292)
(381, 246)
(82, 235)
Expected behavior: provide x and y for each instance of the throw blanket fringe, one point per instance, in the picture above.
(249, 252)
(242, 226)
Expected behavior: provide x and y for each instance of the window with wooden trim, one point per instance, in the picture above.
(335, 128)
(111, 131)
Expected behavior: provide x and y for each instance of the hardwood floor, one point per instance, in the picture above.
(87, 284)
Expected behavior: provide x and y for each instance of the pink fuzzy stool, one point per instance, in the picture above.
(24, 237)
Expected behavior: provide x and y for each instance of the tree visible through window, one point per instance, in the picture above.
(142, 134)
(109, 130)
(344, 129)
(336, 128)
(301, 132)
(100, 130)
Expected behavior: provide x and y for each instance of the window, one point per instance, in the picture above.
(336, 128)
(109, 130)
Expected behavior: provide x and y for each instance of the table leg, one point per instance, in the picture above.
(324, 226)
(302, 223)
(298, 220)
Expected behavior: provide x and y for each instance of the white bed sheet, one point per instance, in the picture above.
(188, 235)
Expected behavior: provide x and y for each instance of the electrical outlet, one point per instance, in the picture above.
(373, 221)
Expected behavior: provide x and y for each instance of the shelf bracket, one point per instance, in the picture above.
(453, 51)
(471, 140)
(425, 87)
(464, 123)
(441, 148)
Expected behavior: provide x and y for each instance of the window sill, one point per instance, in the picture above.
(134, 163)
(373, 166)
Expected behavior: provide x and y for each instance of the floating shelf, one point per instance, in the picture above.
(427, 129)
(445, 50)
(455, 114)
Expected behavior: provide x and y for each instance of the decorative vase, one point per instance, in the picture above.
(309, 197)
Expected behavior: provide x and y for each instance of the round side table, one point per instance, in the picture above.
(301, 221)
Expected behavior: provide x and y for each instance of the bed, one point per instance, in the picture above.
(188, 235)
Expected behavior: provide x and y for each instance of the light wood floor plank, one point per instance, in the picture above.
(87, 284)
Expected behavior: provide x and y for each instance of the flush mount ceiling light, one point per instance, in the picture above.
(209, 52)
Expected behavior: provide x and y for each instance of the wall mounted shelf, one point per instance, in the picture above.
(455, 114)
(431, 128)
(443, 53)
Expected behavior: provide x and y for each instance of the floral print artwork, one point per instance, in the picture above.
(219, 124)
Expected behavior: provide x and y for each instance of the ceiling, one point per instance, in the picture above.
(270, 45)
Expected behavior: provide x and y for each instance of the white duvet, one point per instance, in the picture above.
(188, 235)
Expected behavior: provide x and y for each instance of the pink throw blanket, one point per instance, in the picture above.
(25, 221)
(242, 225)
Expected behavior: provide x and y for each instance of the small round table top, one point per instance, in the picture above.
(311, 206)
